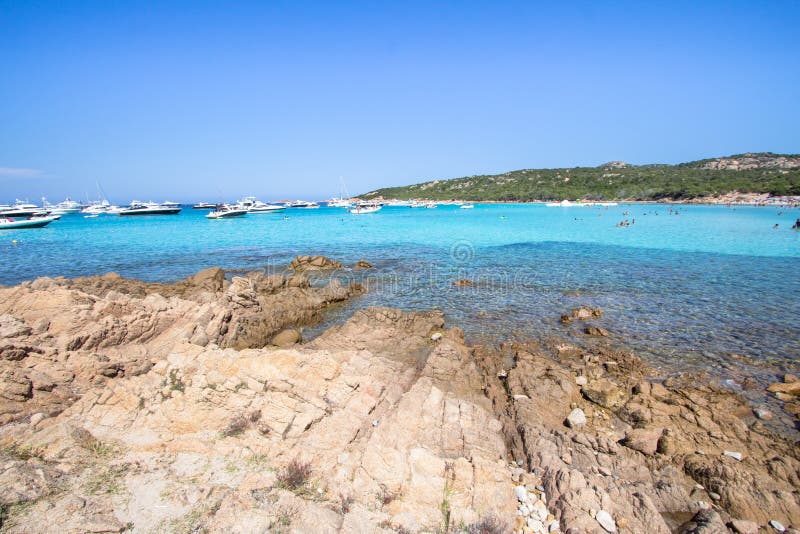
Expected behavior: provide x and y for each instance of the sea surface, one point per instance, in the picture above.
(685, 286)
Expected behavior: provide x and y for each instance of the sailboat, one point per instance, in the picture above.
(343, 200)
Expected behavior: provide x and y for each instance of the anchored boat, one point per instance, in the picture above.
(7, 223)
(149, 208)
(226, 211)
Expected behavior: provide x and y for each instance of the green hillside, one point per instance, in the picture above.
(778, 174)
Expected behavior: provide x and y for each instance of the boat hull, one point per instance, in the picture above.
(226, 215)
(29, 223)
(154, 211)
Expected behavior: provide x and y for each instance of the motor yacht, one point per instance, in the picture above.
(62, 208)
(364, 208)
(337, 202)
(204, 206)
(148, 208)
(98, 207)
(23, 209)
(302, 204)
(256, 206)
(226, 211)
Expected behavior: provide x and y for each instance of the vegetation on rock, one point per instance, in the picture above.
(747, 173)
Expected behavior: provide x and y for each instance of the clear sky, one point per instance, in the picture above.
(213, 100)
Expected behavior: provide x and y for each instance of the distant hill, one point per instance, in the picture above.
(764, 172)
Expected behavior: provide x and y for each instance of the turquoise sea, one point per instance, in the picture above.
(683, 289)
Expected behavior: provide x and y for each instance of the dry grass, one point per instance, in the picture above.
(489, 524)
(295, 476)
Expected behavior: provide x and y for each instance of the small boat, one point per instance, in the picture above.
(7, 223)
(226, 211)
(363, 209)
(430, 205)
(467, 206)
(204, 206)
(302, 204)
(148, 208)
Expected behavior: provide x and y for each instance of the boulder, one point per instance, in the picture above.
(644, 440)
(596, 331)
(787, 388)
(211, 279)
(605, 393)
(362, 264)
(576, 418)
(287, 338)
(583, 313)
(742, 526)
(314, 263)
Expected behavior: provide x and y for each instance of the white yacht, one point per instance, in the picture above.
(148, 208)
(252, 205)
(23, 209)
(64, 207)
(364, 208)
(467, 206)
(226, 211)
(302, 204)
(170, 204)
(98, 207)
(204, 206)
(338, 202)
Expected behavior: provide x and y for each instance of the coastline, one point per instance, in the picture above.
(106, 378)
(732, 199)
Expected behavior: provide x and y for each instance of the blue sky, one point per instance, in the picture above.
(208, 100)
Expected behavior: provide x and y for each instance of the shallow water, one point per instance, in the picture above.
(684, 290)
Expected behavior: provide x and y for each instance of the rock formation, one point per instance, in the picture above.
(194, 406)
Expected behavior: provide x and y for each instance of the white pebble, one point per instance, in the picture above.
(437, 336)
(534, 524)
(777, 525)
(581, 380)
(734, 454)
(553, 526)
(606, 521)
(576, 418)
(521, 493)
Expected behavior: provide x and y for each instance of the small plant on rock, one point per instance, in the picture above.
(386, 496)
(175, 382)
(345, 501)
(294, 476)
(236, 426)
(489, 524)
(284, 515)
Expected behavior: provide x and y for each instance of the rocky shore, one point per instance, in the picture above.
(196, 407)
